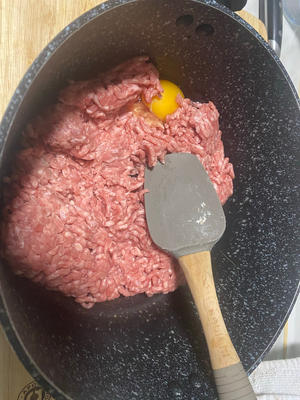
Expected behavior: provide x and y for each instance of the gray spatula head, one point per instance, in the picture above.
(183, 211)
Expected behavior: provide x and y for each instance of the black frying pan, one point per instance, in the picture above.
(150, 348)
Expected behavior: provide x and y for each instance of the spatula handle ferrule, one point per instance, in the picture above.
(233, 384)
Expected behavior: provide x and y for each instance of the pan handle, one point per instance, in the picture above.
(270, 12)
(234, 5)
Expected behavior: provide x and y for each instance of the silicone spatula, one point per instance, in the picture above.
(185, 218)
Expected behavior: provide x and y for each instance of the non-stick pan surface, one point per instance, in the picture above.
(153, 348)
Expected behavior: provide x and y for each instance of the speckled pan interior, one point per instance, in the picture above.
(153, 348)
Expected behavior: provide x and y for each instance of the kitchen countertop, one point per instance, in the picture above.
(18, 48)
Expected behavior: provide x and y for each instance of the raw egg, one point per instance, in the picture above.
(166, 103)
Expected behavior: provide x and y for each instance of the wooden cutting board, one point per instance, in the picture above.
(25, 29)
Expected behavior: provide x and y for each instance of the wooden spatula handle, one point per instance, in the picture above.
(231, 379)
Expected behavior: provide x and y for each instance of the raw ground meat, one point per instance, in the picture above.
(73, 215)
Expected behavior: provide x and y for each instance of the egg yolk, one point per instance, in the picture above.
(166, 103)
